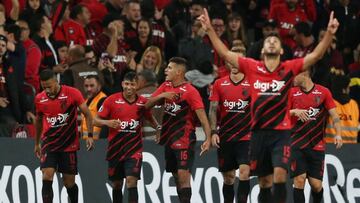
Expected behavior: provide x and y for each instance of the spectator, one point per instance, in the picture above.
(152, 59)
(347, 109)
(110, 48)
(354, 70)
(336, 58)
(62, 51)
(147, 84)
(32, 8)
(91, 57)
(33, 56)
(224, 8)
(287, 14)
(115, 6)
(94, 99)
(356, 65)
(72, 30)
(78, 69)
(12, 102)
(133, 16)
(305, 42)
(178, 14)
(255, 50)
(235, 29)
(143, 39)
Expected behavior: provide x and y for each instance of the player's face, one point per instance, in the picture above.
(170, 72)
(92, 87)
(272, 46)
(129, 87)
(51, 87)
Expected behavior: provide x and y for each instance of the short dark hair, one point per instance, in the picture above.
(110, 18)
(179, 61)
(47, 74)
(14, 29)
(76, 10)
(303, 28)
(35, 23)
(88, 49)
(149, 76)
(96, 77)
(130, 76)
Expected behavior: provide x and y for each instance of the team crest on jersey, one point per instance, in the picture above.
(245, 92)
(281, 72)
(317, 99)
(63, 104)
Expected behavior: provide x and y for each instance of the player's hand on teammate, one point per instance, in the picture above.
(333, 24)
(205, 20)
(205, 146)
(301, 114)
(338, 141)
(90, 143)
(215, 140)
(37, 150)
(170, 95)
(113, 123)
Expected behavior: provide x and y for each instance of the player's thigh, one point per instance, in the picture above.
(260, 154)
(315, 160)
(170, 160)
(242, 159)
(132, 167)
(68, 163)
(116, 170)
(48, 165)
(316, 184)
(298, 163)
(299, 181)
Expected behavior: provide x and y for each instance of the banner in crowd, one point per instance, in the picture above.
(20, 176)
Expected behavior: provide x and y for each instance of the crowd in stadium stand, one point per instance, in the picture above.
(91, 43)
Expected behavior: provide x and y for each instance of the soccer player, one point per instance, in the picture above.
(310, 105)
(270, 81)
(56, 122)
(231, 95)
(123, 113)
(182, 106)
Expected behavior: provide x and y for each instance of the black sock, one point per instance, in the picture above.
(279, 192)
(133, 195)
(73, 193)
(47, 192)
(299, 196)
(243, 191)
(177, 186)
(265, 195)
(228, 192)
(117, 195)
(185, 195)
(317, 196)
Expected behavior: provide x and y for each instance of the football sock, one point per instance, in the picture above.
(117, 196)
(279, 192)
(243, 191)
(265, 195)
(185, 195)
(47, 192)
(228, 192)
(317, 196)
(73, 193)
(133, 195)
(299, 196)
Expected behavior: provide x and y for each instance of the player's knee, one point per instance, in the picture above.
(183, 178)
(69, 181)
(316, 186)
(229, 178)
(280, 175)
(244, 172)
(47, 174)
(117, 185)
(299, 182)
(131, 182)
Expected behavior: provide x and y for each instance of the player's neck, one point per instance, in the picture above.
(178, 82)
(129, 98)
(272, 62)
(236, 77)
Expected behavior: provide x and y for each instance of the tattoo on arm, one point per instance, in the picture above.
(212, 114)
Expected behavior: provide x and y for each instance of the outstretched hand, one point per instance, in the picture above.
(205, 20)
(333, 24)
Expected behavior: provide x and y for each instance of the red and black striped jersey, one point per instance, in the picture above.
(234, 106)
(126, 141)
(60, 126)
(318, 101)
(179, 118)
(269, 92)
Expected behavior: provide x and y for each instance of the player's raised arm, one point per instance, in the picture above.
(324, 44)
(335, 117)
(219, 46)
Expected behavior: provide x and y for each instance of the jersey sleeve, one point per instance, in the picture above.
(104, 110)
(159, 90)
(295, 65)
(214, 93)
(329, 101)
(243, 64)
(77, 96)
(194, 99)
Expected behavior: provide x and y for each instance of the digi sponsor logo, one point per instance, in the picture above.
(275, 86)
(171, 108)
(313, 112)
(132, 124)
(57, 121)
(235, 106)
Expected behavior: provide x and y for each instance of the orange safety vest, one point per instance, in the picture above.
(93, 110)
(349, 121)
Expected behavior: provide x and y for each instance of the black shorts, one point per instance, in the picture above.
(63, 162)
(176, 159)
(307, 161)
(232, 154)
(118, 170)
(269, 149)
